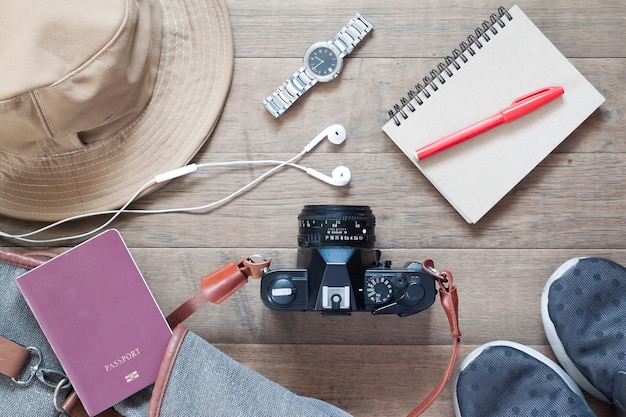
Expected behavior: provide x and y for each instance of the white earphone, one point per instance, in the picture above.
(336, 134)
(340, 177)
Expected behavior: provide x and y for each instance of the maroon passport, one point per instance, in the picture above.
(100, 318)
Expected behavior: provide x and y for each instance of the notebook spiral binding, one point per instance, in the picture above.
(436, 75)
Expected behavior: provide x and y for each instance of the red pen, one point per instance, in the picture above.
(519, 108)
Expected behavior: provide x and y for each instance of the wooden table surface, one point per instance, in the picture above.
(572, 204)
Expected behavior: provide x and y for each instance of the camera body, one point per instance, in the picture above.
(339, 272)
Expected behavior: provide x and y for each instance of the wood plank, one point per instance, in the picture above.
(420, 29)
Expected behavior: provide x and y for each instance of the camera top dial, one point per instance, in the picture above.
(378, 289)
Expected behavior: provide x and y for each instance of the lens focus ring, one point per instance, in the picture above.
(336, 225)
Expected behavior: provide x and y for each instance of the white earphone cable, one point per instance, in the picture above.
(335, 133)
(234, 194)
(26, 237)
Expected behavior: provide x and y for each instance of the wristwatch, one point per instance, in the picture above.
(322, 62)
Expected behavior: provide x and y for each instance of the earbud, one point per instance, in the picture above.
(335, 133)
(341, 176)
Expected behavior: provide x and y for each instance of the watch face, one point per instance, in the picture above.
(322, 61)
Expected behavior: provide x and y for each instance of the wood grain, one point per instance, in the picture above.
(572, 204)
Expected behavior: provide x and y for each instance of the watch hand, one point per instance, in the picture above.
(320, 63)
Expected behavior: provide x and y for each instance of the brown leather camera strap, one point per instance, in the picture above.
(219, 285)
(450, 303)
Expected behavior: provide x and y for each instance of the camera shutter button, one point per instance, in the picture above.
(282, 291)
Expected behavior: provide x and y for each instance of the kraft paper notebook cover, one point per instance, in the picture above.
(100, 318)
(506, 58)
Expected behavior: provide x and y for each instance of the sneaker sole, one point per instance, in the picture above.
(553, 338)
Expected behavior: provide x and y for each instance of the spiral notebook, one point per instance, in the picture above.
(506, 58)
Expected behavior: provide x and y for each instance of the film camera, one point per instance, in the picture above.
(339, 271)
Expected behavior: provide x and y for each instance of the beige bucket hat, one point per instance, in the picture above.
(97, 97)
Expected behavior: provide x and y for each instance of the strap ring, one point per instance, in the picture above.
(63, 383)
(32, 369)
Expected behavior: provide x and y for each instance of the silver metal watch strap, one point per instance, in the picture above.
(347, 38)
(302, 80)
(285, 95)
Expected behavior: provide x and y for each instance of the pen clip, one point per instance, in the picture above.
(530, 102)
(546, 93)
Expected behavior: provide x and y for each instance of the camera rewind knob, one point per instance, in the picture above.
(282, 291)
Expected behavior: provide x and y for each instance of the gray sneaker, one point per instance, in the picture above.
(583, 308)
(508, 379)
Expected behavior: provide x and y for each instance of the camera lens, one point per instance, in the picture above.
(336, 225)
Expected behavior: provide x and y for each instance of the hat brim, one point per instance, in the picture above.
(192, 84)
